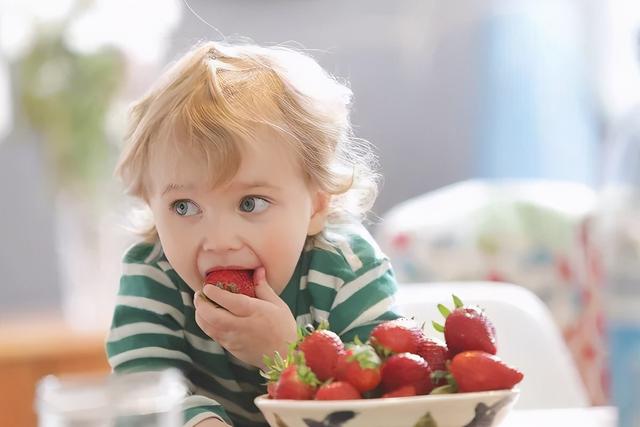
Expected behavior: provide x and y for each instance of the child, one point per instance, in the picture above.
(245, 159)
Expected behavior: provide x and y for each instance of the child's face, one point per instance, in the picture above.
(260, 218)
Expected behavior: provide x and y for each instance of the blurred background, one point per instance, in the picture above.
(469, 103)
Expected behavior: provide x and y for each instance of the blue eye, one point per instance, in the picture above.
(253, 204)
(185, 208)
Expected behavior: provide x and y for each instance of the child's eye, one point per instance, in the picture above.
(185, 208)
(253, 204)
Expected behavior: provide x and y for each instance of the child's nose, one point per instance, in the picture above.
(221, 235)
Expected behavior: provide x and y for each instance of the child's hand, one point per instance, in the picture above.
(249, 327)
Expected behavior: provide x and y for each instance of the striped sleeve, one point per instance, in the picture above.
(364, 302)
(147, 330)
(353, 287)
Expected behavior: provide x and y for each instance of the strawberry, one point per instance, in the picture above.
(359, 365)
(274, 367)
(236, 281)
(395, 336)
(467, 328)
(271, 389)
(337, 390)
(436, 355)
(296, 382)
(406, 369)
(404, 391)
(321, 351)
(482, 371)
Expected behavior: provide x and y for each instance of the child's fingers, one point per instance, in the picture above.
(264, 291)
(214, 320)
(237, 304)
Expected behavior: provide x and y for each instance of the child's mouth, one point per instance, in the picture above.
(237, 281)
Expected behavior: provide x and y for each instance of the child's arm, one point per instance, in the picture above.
(149, 326)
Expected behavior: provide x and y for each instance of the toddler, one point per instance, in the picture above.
(245, 158)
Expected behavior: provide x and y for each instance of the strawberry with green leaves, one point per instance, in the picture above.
(482, 371)
(274, 367)
(466, 328)
(321, 349)
(405, 369)
(290, 377)
(337, 390)
(296, 382)
(359, 365)
(395, 336)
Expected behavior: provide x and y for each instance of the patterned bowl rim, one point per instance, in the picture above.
(265, 402)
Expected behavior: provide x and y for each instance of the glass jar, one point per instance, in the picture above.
(141, 399)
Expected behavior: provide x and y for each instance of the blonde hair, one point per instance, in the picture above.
(218, 95)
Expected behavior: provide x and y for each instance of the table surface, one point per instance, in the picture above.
(596, 416)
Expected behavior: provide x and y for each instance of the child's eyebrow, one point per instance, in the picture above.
(255, 184)
(176, 187)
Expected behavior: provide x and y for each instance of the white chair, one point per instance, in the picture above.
(527, 336)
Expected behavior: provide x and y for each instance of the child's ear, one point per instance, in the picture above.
(320, 211)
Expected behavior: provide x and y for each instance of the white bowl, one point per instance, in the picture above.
(482, 409)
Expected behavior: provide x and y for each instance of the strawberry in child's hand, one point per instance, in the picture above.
(467, 328)
(481, 371)
(321, 351)
(359, 365)
(296, 382)
(395, 336)
(406, 369)
(337, 390)
(236, 281)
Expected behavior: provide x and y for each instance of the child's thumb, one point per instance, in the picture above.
(263, 290)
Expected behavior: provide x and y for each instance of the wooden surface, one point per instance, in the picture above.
(34, 346)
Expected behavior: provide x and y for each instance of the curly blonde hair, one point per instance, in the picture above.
(218, 95)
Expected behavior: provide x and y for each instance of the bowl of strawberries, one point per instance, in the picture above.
(399, 377)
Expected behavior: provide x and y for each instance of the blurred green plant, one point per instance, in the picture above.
(66, 96)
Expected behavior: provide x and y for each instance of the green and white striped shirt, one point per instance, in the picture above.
(342, 277)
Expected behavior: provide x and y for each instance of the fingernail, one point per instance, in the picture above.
(260, 275)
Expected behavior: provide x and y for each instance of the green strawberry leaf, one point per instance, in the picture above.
(438, 375)
(444, 310)
(324, 324)
(437, 326)
(274, 366)
(366, 356)
(444, 389)
(457, 301)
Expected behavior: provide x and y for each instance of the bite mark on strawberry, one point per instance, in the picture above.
(235, 281)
